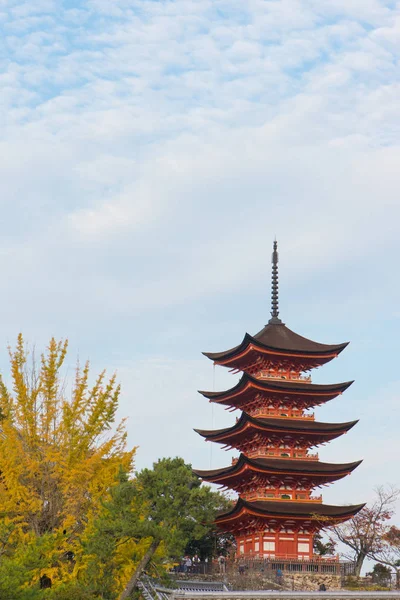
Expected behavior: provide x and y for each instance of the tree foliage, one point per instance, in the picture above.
(381, 574)
(159, 511)
(175, 504)
(59, 456)
(362, 535)
(211, 545)
(323, 547)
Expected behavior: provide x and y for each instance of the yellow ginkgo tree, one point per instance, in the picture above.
(60, 454)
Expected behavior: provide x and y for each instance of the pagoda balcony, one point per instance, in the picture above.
(285, 376)
(301, 456)
(281, 453)
(279, 414)
(279, 497)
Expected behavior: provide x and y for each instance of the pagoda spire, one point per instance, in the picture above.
(275, 320)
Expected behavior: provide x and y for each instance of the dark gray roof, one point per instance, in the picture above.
(279, 337)
(293, 508)
(280, 386)
(295, 425)
(281, 465)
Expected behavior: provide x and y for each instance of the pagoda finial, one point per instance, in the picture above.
(274, 287)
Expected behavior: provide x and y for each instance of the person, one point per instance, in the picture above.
(196, 563)
(242, 566)
(221, 562)
(188, 564)
(322, 587)
(279, 576)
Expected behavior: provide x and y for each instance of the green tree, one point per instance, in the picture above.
(211, 545)
(323, 548)
(175, 508)
(381, 574)
(160, 510)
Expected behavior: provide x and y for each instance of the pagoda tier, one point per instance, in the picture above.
(276, 348)
(281, 529)
(264, 478)
(270, 396)
(260, 516)
(258, 437)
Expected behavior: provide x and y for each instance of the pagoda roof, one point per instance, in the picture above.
(284, 466)
(303, 510)
(296, 427)
(248, 386)
(279, 338)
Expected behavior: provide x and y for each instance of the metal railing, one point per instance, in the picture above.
(151, 590)
(269, 566)
(293, 564)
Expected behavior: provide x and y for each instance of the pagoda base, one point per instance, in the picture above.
(289, 545)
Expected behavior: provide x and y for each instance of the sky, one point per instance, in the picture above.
(152, 150)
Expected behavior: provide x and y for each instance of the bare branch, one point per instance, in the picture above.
(363, 534)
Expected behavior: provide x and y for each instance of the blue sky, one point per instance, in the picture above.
(150, 153)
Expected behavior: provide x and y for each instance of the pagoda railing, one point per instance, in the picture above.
(277, 414)
(285, 376)
(279, 454)
(260, 496)
(292, 564)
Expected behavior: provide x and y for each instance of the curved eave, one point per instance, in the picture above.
(273, 466)
(289, 426)
(282, 387)
(320, 351)
(290, 509)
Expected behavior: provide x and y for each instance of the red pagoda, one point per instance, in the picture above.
(276, 514)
